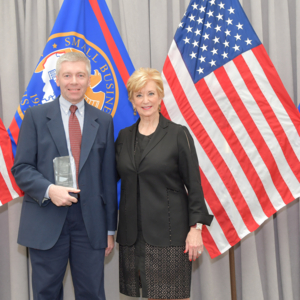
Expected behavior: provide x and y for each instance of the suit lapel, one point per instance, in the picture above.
(56, 128)
(160, 132)
(131, 142)
(90, 129)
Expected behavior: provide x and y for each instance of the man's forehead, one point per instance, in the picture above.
(73, 66)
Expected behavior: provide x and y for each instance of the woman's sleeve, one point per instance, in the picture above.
(189, 172)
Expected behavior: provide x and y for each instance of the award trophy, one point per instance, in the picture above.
(62, 171)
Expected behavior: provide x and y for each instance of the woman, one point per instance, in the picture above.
(159, 222)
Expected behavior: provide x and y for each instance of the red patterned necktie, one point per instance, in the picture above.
(75, 138)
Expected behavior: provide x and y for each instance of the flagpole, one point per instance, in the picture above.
(232, 274)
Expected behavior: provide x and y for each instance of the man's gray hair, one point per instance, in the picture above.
(73, 57)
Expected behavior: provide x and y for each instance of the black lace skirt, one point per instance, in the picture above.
(161, 272)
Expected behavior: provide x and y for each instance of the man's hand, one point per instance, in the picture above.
(110, 244)
(60, 196)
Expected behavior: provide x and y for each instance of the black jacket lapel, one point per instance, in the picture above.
(131, 142)
(160, 132)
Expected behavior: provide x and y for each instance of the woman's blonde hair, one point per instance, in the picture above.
(139, 79)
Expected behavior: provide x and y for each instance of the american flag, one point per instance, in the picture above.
(220, 83)
(8, 187)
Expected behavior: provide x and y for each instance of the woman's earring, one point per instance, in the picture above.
(159, 108)
(134, 111)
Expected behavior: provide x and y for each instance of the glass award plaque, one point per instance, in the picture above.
(62, 171)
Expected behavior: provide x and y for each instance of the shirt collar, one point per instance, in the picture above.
(65, 105)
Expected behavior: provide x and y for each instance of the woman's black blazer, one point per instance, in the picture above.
(168, 164)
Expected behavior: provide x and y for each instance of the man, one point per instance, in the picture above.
(67, 223)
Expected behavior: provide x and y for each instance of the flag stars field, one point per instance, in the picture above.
(210, 14)
(195, 6)
(212, 27)
(219, 17)
(189, 29)
(231, 10)
(229, 21)
(202, 9)
(237, 37)
(216, 40)
(200, 70)
(204, 48)
(202, 59)
(214, 51)
(248, 42)
(236, 48)
(206, 36)
(198, 32)
(200, 20)
(192, 18)
(227, 32)
(195, 44)
(221, 5)
(218, 28)
(225, 55)
(186, 40)
(239, 26)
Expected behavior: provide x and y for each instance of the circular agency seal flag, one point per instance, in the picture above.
(103, 92)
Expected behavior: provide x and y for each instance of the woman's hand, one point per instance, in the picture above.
(194, 243)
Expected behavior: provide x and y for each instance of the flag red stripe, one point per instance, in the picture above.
(164, 111)
(235, 145)
(269, 114)
(208, 146)
(209, 243)
(6, 151)
(14, 130)
(5, 145)
(277, 85)
(253, 132)
(5, 195)
(110, 41)
(218, 211)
